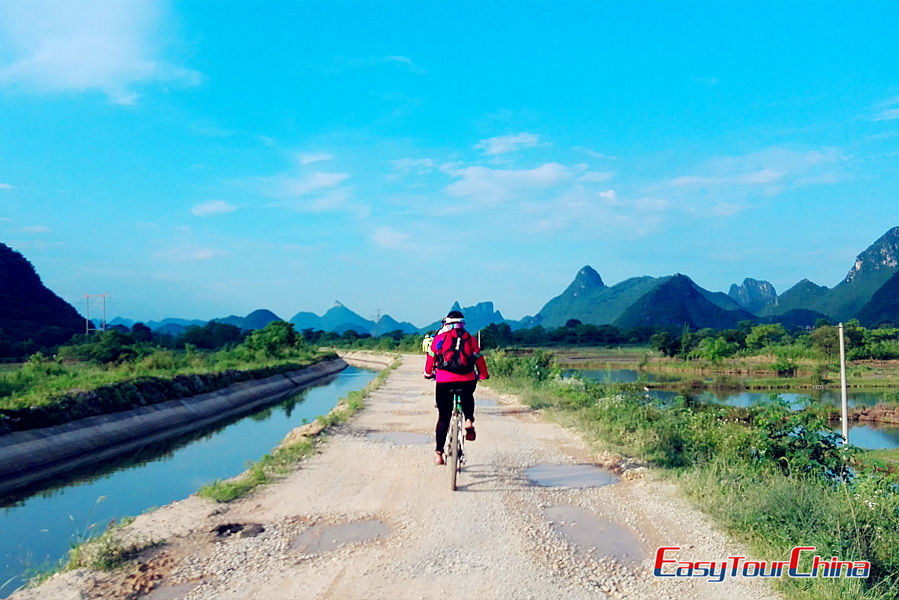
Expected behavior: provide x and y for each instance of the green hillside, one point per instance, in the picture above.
(31, 316)
(883, 308)
(677, 302)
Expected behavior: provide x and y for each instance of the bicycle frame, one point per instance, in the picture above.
(454, 447)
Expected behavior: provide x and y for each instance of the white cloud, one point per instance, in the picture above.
(420, 165)
(189, 253)
(213, 207)
(771, 170)
(596, 176)
(5, 186)
(35, 229)
(386, 237)
(609, 197)
(889, 114)
(112, 47)
(507, 143)
(595, 154)
(375, 61)
(309, 158)
(493, 185)
(295, 187)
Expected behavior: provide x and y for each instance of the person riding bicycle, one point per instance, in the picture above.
(455, 361)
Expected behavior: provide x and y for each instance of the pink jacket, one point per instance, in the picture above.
(471, 345)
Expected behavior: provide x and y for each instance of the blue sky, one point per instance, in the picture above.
(200, 159)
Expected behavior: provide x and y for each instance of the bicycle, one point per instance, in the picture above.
(454, 447)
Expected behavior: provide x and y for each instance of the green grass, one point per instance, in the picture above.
(764, 474)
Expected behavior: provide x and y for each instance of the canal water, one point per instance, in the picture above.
(37, 531)
(867, 436)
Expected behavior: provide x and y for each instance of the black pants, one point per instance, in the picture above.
(445, 406)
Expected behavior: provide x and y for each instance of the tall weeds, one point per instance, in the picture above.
(774, 477)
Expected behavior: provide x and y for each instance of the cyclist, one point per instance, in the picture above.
(455, 361)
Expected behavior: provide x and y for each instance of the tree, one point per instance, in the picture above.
(141, 333)
(826, 339)
(274, 339)
(763, 336)
(211, 336)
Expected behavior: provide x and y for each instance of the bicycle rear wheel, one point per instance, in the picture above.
(454, 450)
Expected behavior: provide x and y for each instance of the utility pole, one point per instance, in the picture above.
(87, 313)
(843, 394)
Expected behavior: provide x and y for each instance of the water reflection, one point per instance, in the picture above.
(37, 531)
(740, 398)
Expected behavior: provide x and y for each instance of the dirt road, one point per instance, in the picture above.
(371, 517)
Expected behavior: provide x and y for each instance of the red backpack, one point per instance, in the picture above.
(454, 353)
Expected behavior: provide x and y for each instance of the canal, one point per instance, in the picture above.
(38, 530)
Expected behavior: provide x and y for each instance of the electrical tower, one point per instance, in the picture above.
(88, 325)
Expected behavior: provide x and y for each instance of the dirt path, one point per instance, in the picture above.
(371, 517)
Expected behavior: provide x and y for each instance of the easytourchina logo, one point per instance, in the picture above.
(669, 564)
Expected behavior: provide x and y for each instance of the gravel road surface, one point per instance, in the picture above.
(370, 516)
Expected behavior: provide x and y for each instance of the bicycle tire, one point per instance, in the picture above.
(454, 451)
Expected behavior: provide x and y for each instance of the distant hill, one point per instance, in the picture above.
(29, 310)
(872, 269)
(752, 294)
(883, 307)
(589, 300)
(387, 324)
(173, 326)
(477, 317)
(677, 302)
(338, 318)
(255, 320)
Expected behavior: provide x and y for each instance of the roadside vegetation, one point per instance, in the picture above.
(774, 477)
(116, 370)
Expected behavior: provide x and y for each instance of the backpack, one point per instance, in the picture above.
(454, 354)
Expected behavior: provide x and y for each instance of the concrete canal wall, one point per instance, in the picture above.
(30, 456)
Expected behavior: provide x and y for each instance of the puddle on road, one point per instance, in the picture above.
(325, 537)
(574, 476)
(594, 538)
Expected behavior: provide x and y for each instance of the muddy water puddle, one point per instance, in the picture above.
(401, 438)
(594, 538)
(325, 537)
(573, 476)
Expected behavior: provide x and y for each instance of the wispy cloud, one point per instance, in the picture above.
(770, 171)
(596, 176)
(34, 229)
(302, 185)
(888, 111)
(420, 165)
(495, 185)
(374, 61)
(888, 114)
(113, 47)
(313, 157)
(728, 185)
(507, 143)
(189, 253)
(213, 207)
(5, 186)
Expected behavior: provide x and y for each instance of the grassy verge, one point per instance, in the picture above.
(772, 477)
(285, 457)
(53, 393)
